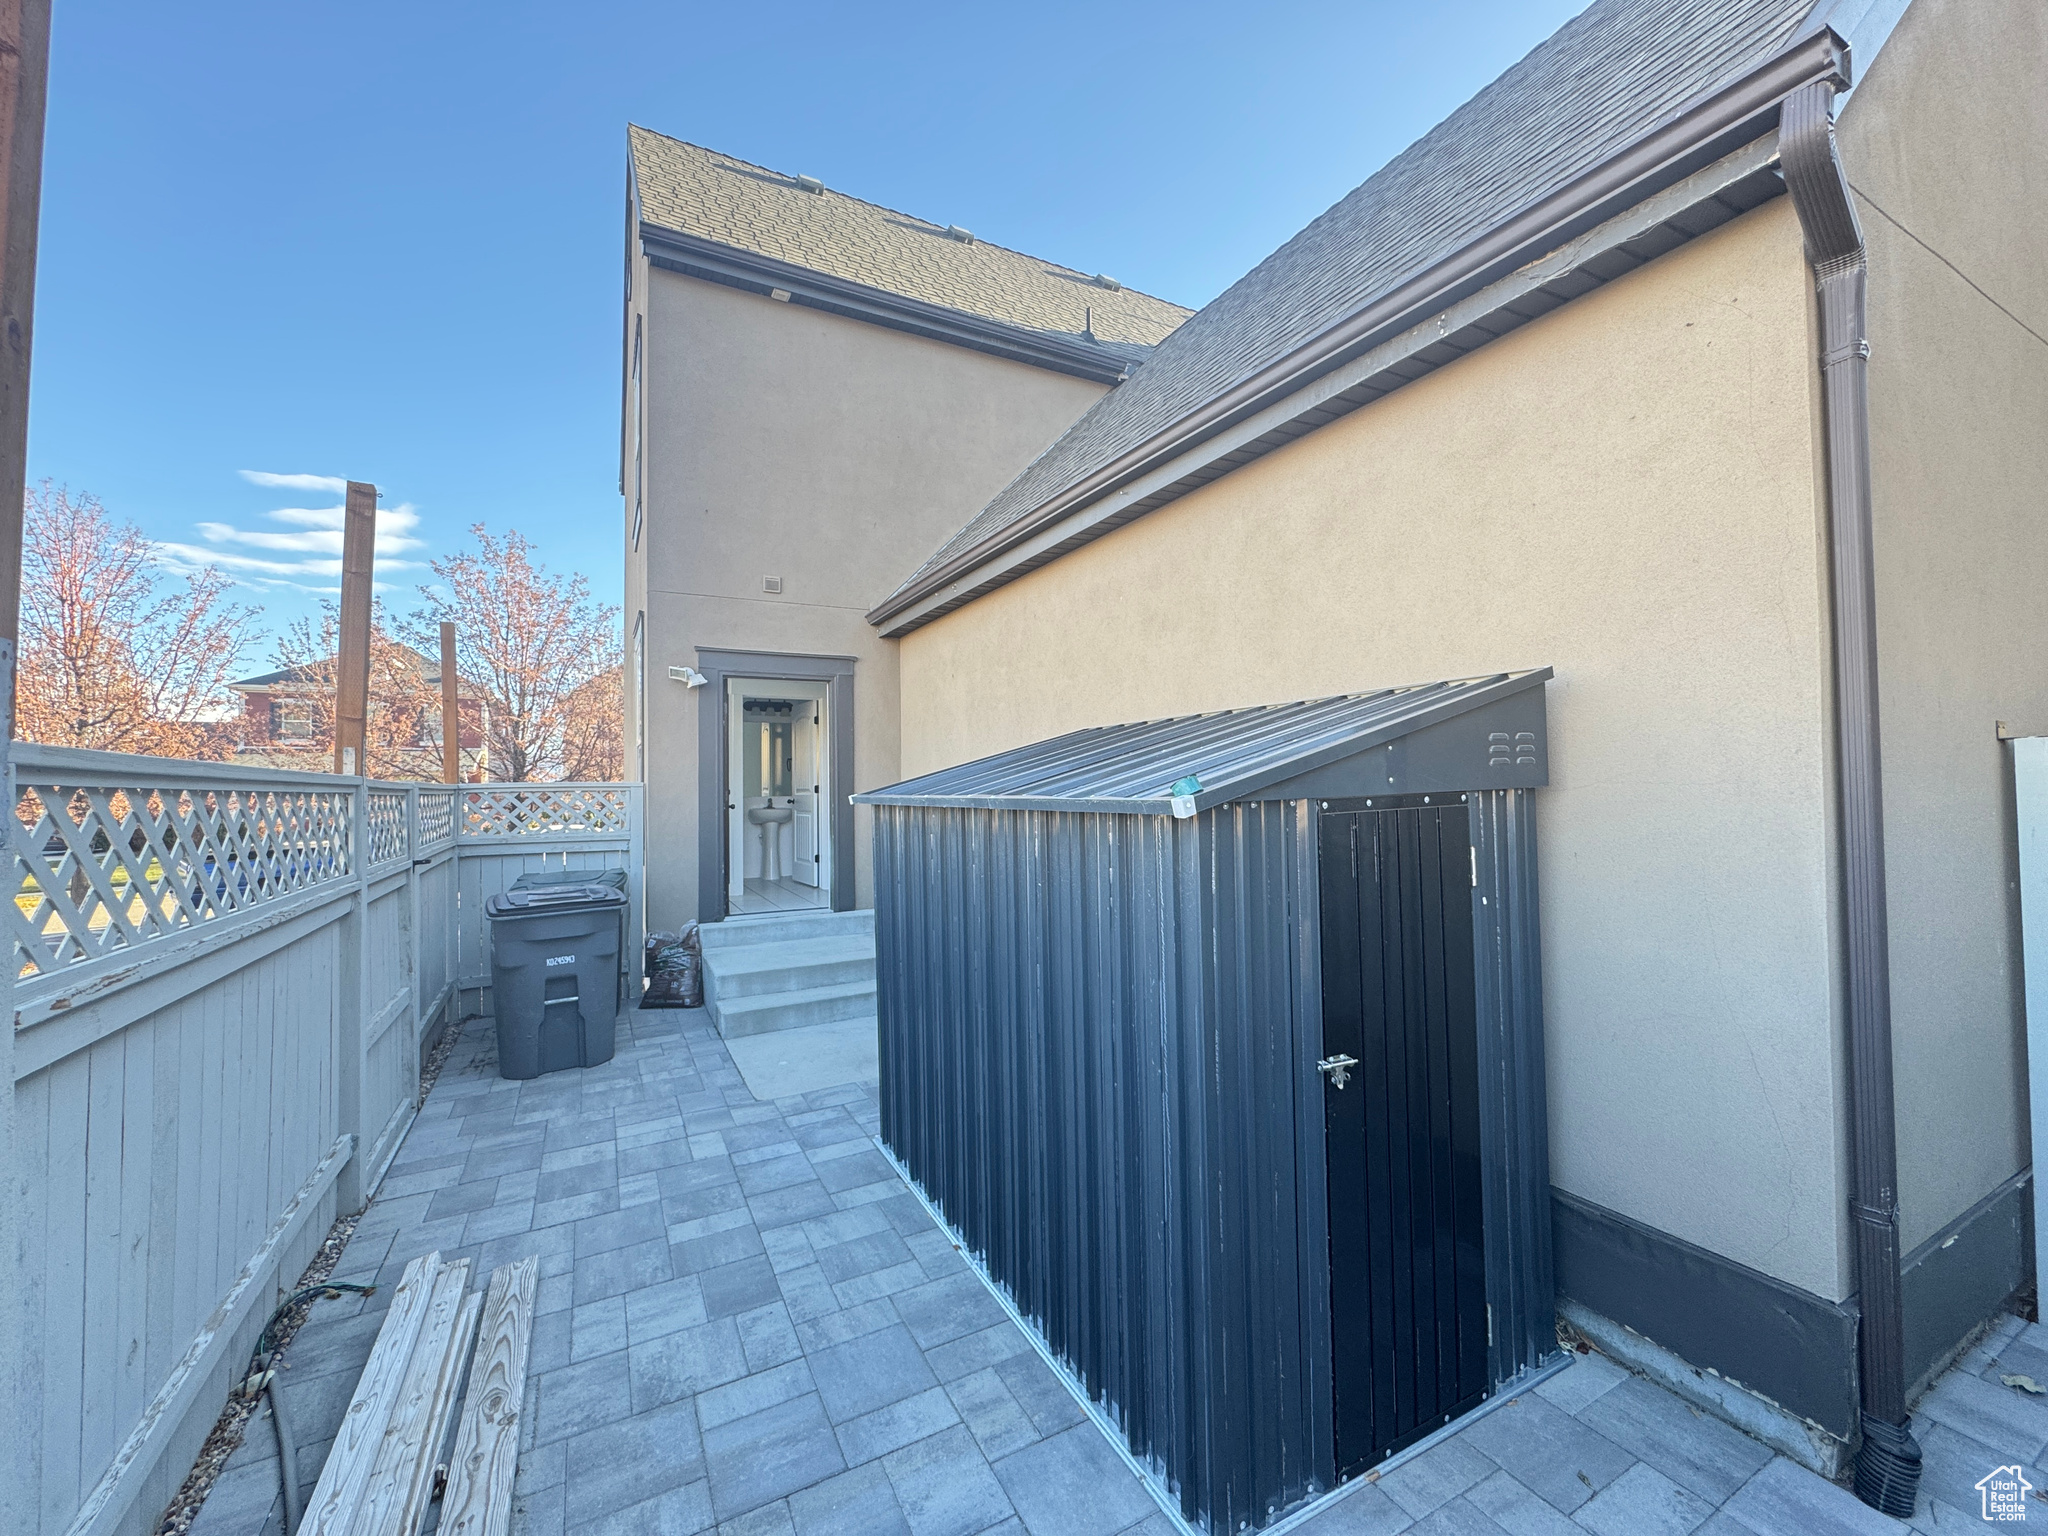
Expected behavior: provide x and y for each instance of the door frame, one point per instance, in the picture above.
(713, 792)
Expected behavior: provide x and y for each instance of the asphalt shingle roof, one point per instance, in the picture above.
(1598, 83)
(696, 191)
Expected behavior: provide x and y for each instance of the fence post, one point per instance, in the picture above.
(414, 938)
(17, 1438)
(351, 1035)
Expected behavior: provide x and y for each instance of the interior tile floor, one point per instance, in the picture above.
(748, 1324)
(782, 895)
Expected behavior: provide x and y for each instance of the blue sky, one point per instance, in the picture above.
(286, 245)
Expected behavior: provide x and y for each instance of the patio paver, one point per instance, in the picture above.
(748, 1324)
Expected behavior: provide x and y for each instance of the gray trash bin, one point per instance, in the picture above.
(543, 880)
(555, 976)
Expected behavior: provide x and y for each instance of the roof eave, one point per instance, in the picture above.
(710, 261)
(1689, 140)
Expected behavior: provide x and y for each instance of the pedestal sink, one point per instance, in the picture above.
(771, 844)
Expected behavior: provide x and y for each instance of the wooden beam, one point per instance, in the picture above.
(479, 1497)
(24, 78)
(451, 710)
(401, 1482)
(352, 658)
(351, 1458)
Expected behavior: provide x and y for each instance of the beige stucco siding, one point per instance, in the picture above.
(1947, 143)
(1624, 490)
(783, 441)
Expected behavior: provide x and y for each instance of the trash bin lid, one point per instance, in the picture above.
(541, 880)
(552, 898)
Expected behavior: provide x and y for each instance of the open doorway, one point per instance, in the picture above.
(779, 806)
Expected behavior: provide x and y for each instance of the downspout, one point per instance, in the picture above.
(1888, 1460)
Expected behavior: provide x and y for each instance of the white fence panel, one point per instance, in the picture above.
(225, 977)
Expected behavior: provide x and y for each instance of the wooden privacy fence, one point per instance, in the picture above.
(224, 981)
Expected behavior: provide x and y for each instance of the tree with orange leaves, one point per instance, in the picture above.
(538, 650)
(109, 658)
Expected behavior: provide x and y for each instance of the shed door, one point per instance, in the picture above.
(1407, 1243)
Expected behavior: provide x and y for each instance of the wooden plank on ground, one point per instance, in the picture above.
(479, 1497)
(414, 1515)
(380, 1509)
(331, 1510)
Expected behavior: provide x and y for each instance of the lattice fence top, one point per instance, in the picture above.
(389, 836)
(516, 810)
(101, 868)
(436, 828)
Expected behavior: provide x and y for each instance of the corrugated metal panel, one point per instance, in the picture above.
(1127, 769)
(1514, 1121)
(1095, 1031)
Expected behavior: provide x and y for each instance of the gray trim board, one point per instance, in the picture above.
(1779, 1341)
(712, 795)
(1964, 1274)
(710, 262)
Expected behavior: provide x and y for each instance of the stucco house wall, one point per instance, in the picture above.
(1627, 490)
(1946, 143)
(784, 441)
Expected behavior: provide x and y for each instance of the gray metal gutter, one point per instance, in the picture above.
(1691, 139)
(1888, 1460)
(711, 262)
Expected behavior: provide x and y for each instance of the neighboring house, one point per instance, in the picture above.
(285, 714)
(1562, 386)
(814, 386)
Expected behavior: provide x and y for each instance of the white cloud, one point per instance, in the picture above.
(305, 555)
(264, 477)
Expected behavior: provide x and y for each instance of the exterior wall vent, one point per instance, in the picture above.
(809, 184)
(771, 583)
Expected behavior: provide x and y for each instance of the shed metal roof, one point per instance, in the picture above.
(1234, 753)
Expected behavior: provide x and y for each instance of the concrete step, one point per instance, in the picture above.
(783, 928)
(793, 965)
(798, 1009)
(788, 970)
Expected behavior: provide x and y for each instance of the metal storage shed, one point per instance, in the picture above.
(1218, 1042)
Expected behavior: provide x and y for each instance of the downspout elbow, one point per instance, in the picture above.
(1888, 1458)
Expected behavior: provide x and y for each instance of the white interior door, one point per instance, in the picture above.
(735, 790)
(805, 784)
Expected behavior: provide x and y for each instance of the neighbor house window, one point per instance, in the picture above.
(291, 720)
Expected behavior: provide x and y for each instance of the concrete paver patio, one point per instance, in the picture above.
(747, 1323)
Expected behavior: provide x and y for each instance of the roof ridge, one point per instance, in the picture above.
(936, 228)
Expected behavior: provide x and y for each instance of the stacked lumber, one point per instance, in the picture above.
(382, 1473)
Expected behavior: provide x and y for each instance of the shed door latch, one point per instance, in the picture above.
(1338, 1068)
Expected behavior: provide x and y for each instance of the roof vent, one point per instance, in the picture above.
(964, 236)
(1104, 280)
(809, 184)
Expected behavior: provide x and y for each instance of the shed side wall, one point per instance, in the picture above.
(1626, 489)
(1094, 1032)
